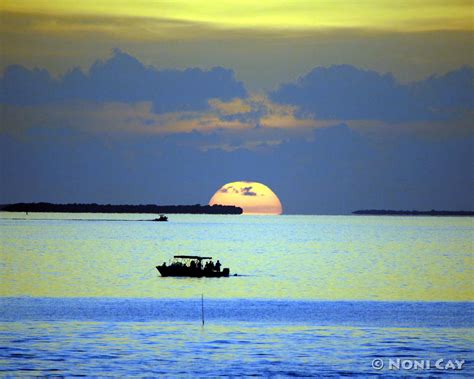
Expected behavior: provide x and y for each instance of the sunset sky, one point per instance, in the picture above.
(336, 106)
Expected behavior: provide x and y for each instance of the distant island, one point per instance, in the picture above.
(384, 212)
(108, 208)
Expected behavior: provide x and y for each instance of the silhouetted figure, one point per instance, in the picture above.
(211, 265)
(192, 265)
(218, 266)
(199, 265)
(164, 264)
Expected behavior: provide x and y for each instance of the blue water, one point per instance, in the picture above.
(320, 296)
(150, 337)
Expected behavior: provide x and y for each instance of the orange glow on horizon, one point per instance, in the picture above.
(252, 197)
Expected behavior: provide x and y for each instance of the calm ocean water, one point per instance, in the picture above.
(315, 295)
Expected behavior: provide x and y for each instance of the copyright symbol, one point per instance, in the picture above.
(377, 364)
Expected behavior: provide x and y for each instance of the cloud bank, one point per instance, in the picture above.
(122, 78)
(346, 92)
(337, 139)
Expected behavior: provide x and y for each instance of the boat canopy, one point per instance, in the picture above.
(191, 257)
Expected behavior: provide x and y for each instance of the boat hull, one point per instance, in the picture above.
(190, 272)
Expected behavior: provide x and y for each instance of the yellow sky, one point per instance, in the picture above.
(401, 15)
(265, 42)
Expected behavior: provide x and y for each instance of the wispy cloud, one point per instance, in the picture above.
(247, 191)
(272, 14)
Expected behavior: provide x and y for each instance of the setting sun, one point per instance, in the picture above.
(252, 197)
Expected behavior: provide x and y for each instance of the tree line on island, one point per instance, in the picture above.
(109, 208)
(191, 209)
(385, 212)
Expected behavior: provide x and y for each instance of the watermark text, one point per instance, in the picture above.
(418, 364)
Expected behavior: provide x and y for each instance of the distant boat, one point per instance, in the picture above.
(162, 218)
(191, 266)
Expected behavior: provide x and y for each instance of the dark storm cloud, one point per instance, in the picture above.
(122, 78)
(346, 92)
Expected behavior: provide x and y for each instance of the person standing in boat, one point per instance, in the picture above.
(218, 266)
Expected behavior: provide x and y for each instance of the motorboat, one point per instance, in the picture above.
(192, 266)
